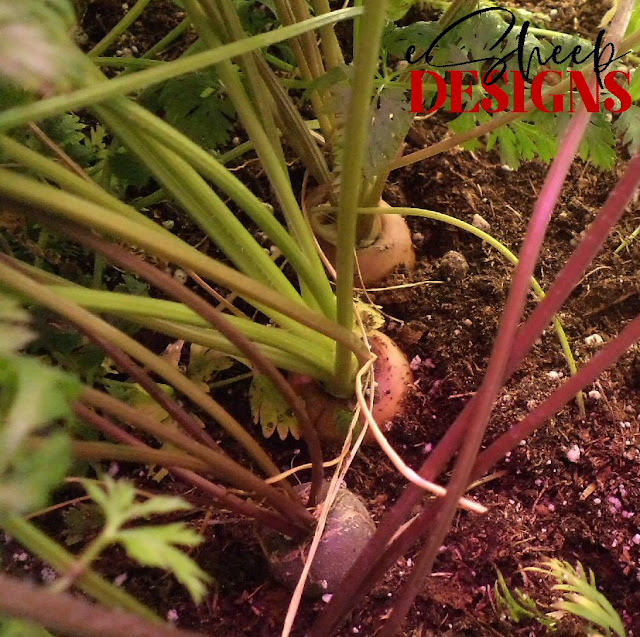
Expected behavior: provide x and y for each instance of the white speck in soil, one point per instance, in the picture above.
(593, 340)
(573, 454)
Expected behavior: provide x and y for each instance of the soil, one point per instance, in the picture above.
(543, 501)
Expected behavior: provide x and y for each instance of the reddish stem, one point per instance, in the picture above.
(161, 280)
(72, 616)
(232, 502)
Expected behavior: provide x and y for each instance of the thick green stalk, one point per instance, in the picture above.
(206, 164)
(291, 362)
(163, 244)
(69, 181)
(254, 82)
(53, 554)
(329, 42)
(271, 163)
(302, 55)
(307, 265)
(121, 85)
(356, 131)
(124, 453)
(203, 205)
(295, 128)
(143, 309)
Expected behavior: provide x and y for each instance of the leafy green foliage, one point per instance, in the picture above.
(389, 118)
(535, 135)
(205, 363)
(70, 350)
(270, 409)
(524, 140)
(154, 546)
(518, 606)
(32, 395)
(627, 126)
(598, 143)
(390, 122)
(195, 105)
(581, 596)
(398, 8)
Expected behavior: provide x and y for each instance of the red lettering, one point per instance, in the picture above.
(536, 93)
(417, 97)
(457, 90)
(518, 92)
(497, 92)
(591, 101)
(618, 91)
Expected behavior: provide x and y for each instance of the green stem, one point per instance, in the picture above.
(329, 41)
(84, 561)
(125, 63)
(306, 264)
(141, 309)
(50, 552)
(164, 244)
(248, 64)
(270, 158)
(291, 362)
(124, 453)
(130, 17)
(121, 85)
(355, 139)
(168, 39)
(203, 206)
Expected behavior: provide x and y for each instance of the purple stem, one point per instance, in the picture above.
(73, 616)
(260, 514)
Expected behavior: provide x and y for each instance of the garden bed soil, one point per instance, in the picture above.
(543, 502)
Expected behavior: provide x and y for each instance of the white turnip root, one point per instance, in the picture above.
(391, 249)
(393, 377)
(348, 528)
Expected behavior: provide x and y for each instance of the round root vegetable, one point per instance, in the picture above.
(348, 528)
(391, 249)
(393, 378)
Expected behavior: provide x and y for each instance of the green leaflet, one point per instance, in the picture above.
(270, 410)
(32, 395)
(154, 546)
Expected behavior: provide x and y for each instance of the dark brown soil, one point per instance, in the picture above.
(541, 503)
